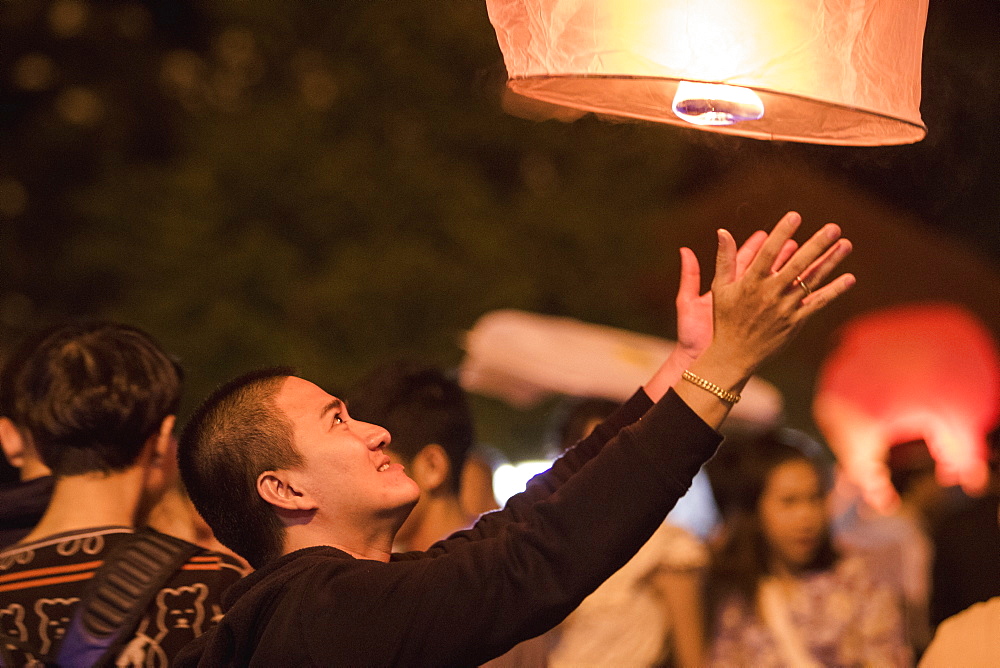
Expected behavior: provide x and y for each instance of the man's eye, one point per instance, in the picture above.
(338, 419)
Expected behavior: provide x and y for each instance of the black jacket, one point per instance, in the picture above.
(474, 595)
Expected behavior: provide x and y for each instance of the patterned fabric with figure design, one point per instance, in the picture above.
(41, 584)
(841, 615)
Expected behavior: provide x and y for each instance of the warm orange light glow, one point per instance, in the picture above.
(928, 372)
(827, 72)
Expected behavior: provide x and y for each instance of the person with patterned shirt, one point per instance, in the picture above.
(778, 591)
(97, 401)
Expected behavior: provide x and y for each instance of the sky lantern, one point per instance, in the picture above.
(845, 73)
(923, 371)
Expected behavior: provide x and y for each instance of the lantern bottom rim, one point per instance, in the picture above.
(788, 116)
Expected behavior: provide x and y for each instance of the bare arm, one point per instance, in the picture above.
(683, 602)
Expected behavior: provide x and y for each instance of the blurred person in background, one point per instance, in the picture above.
(778, 593)
(22, 501)
(649, 613)
(966, 570)
(97, 403)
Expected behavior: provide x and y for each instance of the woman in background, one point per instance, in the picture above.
(778, 593)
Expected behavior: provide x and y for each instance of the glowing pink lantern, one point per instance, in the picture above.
(814, 71)
(927, 371)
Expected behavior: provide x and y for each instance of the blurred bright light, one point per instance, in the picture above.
(695, 511)
(510, 479)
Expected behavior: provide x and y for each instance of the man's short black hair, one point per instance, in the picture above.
(90, 394)
(419, 404)
(235, 435)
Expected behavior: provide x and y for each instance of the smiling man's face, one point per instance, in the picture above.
(346, 471)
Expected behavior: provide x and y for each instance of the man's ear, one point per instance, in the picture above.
(431, 467)
(159, 459)
(165, 445)
(12, 443)
(276, 488)
(20, 451)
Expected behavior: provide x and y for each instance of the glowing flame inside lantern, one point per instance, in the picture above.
(716, 104)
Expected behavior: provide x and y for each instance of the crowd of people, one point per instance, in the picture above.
(286, 526)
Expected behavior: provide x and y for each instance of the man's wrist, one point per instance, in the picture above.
(724, 369)
(709, 386)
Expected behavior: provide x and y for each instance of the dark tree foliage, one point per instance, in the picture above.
(330, 184)
(326, 184)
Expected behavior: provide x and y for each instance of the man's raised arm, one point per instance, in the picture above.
(764, 298)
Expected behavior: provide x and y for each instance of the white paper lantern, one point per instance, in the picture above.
(841, 72)
(523, 358)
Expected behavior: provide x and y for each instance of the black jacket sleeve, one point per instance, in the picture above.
(472, 597)
(544, 484)
(516, 575)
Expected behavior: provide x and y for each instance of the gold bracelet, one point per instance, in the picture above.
(725, 395)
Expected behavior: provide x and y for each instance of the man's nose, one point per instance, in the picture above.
(377, 436)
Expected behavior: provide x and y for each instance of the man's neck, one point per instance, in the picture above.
(91, 500)
(370, 538)
(442, 516)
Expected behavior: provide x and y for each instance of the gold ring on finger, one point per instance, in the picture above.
(802, 284)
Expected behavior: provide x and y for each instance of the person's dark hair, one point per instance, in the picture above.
(573, 422)
(741, 471)
(419, 404)
(236, 434)
(89, 394)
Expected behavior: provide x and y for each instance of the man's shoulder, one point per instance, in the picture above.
(200, 559)
(85, 545)
(968, 638)
(269, 606)
(44, 581)
(314, 581)
(301, 564)
(97, 543)
(986, 614)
